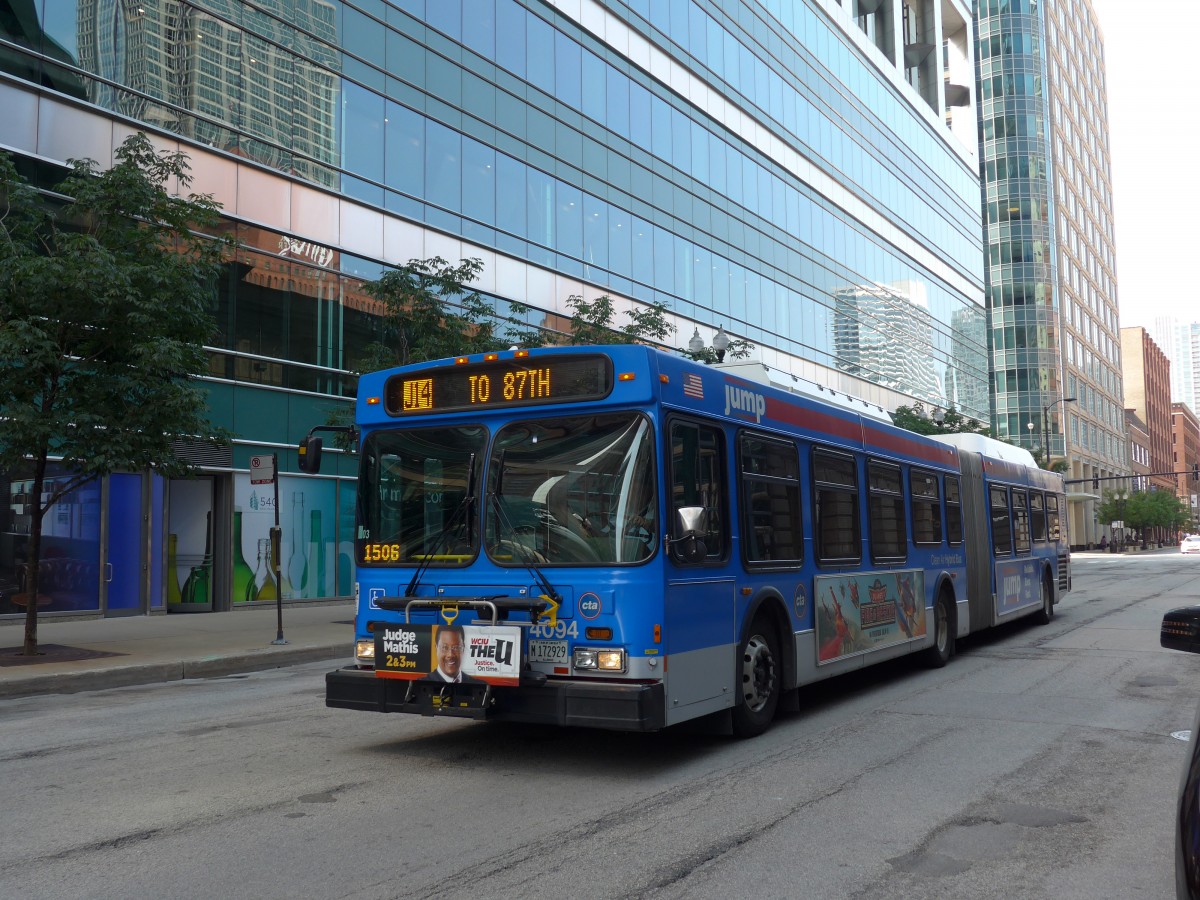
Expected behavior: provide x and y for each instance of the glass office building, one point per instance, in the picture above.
(803, 173)
(1051, 276)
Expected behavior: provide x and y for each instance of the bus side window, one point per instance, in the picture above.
(770, 500)
(698, 479)
(954, 520)
(1037, 516)
(835, 494)
(926, 508)
(885, 500)
(1052, 523)
(1020, 507)
(1001, 521)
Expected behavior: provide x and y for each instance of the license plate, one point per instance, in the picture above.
(548, 651)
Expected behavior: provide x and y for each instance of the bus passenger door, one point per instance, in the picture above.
(700, 608)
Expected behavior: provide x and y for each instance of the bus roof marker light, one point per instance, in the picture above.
(626, 376)
(491, 357)
(459, 360)
(372, 401)
(521, 354)
(664, 378)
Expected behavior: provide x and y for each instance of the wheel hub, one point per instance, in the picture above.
(758, 674)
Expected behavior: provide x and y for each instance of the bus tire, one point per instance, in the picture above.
(1046, 613)
(759, 680)
(942, 649)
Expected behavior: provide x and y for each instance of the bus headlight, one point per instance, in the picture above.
(364, 652)
(599, 660)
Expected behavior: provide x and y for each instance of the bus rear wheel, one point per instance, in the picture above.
(939, 654)
(1047, 612)
(758, 681)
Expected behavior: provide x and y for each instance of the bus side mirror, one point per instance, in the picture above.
(309, 455)
(689, 546)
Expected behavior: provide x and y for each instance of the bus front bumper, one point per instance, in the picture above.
(618, 707)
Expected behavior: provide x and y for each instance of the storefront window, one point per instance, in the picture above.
(69, 574)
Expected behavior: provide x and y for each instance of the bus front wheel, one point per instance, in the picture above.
(943, 634)
(758, 676)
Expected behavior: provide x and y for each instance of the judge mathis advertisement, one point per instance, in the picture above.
(449, 653)
(857, 613)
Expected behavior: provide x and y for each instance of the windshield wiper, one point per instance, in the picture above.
(462, 511)
(502, 519)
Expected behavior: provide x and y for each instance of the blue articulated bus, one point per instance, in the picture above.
(616, 537)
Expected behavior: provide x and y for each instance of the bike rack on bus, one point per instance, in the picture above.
(537, 607)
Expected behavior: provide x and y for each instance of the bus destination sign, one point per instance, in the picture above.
(507, 382)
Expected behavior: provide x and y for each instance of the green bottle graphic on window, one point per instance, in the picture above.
(316, 558)
(243, 575)
(195, 589)
(264, 573)
(297, 567)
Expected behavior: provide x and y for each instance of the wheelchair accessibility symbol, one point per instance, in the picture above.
(373, 594)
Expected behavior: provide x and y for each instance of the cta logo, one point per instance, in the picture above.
(589, 606)
(744, 401)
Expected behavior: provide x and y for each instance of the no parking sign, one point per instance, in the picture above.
(262, 469)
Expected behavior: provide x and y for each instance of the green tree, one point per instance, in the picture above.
(429, 312)
(915, 418)
(1139, 513)
(592, 322)
(105, 299)
(1168, 511)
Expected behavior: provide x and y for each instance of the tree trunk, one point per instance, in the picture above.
(33, 561)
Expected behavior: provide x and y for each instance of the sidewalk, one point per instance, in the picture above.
(147, 649)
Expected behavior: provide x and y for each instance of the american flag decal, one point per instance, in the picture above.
(693, 386)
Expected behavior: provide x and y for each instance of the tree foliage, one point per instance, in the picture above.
(915, 418)
(106, 301)
(429, 312)
(1140, 510)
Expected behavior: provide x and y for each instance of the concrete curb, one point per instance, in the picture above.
(153, 673)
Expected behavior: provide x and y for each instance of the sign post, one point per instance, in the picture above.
(263, 470)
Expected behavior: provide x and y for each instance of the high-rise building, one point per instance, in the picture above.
(1181, 342)
(751, 165)
(1147, 377)
(1185, 458)
(1051, 281)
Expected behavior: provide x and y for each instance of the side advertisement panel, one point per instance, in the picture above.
(866, 611)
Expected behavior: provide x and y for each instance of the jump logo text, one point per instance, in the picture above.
(749, 403)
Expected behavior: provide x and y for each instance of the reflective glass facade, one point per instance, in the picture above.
(1051, 284)
(794, 171)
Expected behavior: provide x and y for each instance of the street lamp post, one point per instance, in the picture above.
(1121, 495)
(1046, 422)
(720, 343)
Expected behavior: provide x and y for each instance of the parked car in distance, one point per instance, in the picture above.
(1181, 631)
(1190, 544)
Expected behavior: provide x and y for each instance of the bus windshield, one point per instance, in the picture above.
(412, 491)
(573, 491)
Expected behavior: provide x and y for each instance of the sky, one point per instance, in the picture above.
(1150, 61)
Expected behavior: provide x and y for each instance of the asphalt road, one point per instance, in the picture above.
(1039, 763)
